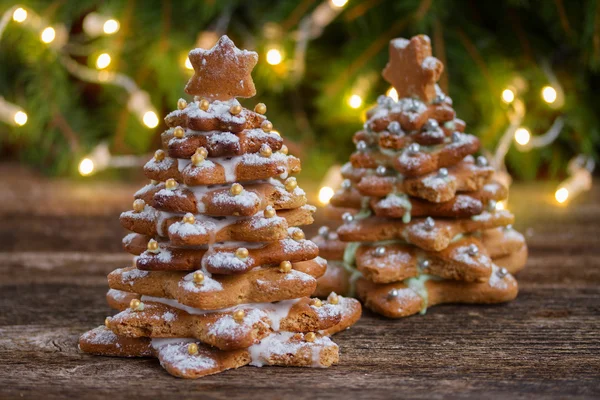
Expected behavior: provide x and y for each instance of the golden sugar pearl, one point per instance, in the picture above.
(159, 155)
(153, 182)
(189, 218)
(260, 108)
(181, 104)
(285, 267)
(310, 336)
(202, 151)
(239, 315)
(317, 302)
(192, 349)
(135, 304)
(291, 184)
(284, 149)
(242, 253)
(236, 189)
(269, 212)
(333, 298)
(198, 277)
(107, 322)
(152, 245)
(295, 169)
(235, 109)
(178, 132)
(297, 234)
(171, 184)
(265, 150)
(139, 205)
(266, 126)
(197, 159)
(204, 104)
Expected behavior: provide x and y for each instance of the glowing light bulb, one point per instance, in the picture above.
(111, 26)
(561, 195)
(20, 15)
(103, 61)
(150, 119)
(338, 3)
(188, 64)
(274, 57)
(325, 194)
(355, 101)
(549, 94)
(508, 96)
(20, 118)
(48, 35)
(522, 136)
(392, 93)
(86, 167)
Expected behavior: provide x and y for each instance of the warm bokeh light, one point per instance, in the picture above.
(111, 26)
(561, 195)
(549, 94)
(20, 118)
(325, 194)
(48, 35)
(522, 136)
(188, 64)
(103, 61)
(86, 167)
(392, 93)
(500, 205)
(355, 101)
(338, 3)
(274, 57)
(150, 119)
(20, 15)
(508, 96)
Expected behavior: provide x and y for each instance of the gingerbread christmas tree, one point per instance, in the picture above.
(421, 222)
(222, 273)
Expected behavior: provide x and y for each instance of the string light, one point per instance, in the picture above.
(274, 57)
(392, 93)
(355, 101)
(561, 195)
(103, 61)
(188, 64)
(522, 136)
(338, 3)
(549, 94)
(48, 35)
(150, 119)
(86, 167)
(19, 15)
(508, 96)
(580, 170)
(20, 118)
(325, 195)
(111, 26)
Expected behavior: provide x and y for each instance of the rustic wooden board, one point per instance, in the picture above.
(545, 344)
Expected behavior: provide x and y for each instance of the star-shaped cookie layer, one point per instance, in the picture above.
(411, 68)
(223, 72)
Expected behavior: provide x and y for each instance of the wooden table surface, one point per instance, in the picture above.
(58, 240)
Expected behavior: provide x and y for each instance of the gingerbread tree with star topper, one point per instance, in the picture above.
(222, 273)
(421, 222)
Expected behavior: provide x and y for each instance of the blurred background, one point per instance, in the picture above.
(84, 85)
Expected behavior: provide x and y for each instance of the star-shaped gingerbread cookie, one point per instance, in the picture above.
(223, 72)
(411, 69)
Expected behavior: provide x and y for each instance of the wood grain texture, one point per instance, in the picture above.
(545, 344)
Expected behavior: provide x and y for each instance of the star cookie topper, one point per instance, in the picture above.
(411, 70)
(223, 72)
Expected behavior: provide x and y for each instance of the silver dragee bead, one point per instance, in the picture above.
(429, 223)
(381, 170)
(347, 217)
(380, 251)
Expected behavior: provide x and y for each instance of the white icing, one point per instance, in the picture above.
(281, 344)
